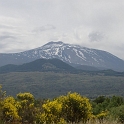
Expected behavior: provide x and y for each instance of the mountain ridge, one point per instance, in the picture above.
(40, 65)
(69, 53)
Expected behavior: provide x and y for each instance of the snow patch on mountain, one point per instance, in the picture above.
(69, 53)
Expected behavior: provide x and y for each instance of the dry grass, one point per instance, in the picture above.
(102, 122)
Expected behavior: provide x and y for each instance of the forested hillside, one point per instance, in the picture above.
(51, 84)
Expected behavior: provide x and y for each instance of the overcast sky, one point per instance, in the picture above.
(27, 24)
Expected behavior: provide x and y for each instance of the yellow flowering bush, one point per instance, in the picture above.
(75, 108)
(52, 111)
(25, 96)
(9, 109)
(102, 116)
(27, 111)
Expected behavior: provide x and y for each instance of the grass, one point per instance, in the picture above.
(98, 122)
(89, 122)
(103, 122)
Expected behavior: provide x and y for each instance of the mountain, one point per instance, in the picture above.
(69, 53)
(54, 65)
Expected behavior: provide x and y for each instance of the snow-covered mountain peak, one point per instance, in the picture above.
(69, 53)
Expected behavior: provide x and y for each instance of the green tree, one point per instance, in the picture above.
(106, 103)
(117, 113)
(116, 101)
(99, 99)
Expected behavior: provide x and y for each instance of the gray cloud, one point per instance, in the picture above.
(44, 28)
(96, 36)
(6, 27)
(99, 21)
(6, 37)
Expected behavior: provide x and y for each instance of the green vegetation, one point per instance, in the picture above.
(51, 84)
(71, 108)
(45, 98)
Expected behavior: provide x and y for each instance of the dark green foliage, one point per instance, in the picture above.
(51, 84)
(87, 68)
(100, 99)
(116, 101)
(106, 103)
(118, 112)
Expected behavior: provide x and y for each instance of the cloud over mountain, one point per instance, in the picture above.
(92, 23)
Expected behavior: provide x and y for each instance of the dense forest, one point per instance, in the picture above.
(71, 108)
(51, 84)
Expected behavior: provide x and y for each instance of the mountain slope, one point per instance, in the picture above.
(69, 53)
(87, 68)
(55, 65)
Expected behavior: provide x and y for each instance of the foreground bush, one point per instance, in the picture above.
(68, 109)
(10, 110)
(75, 108)
(118, 112)
(27, 109)
(71, 108)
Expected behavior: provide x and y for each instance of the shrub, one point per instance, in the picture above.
(75, 108)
